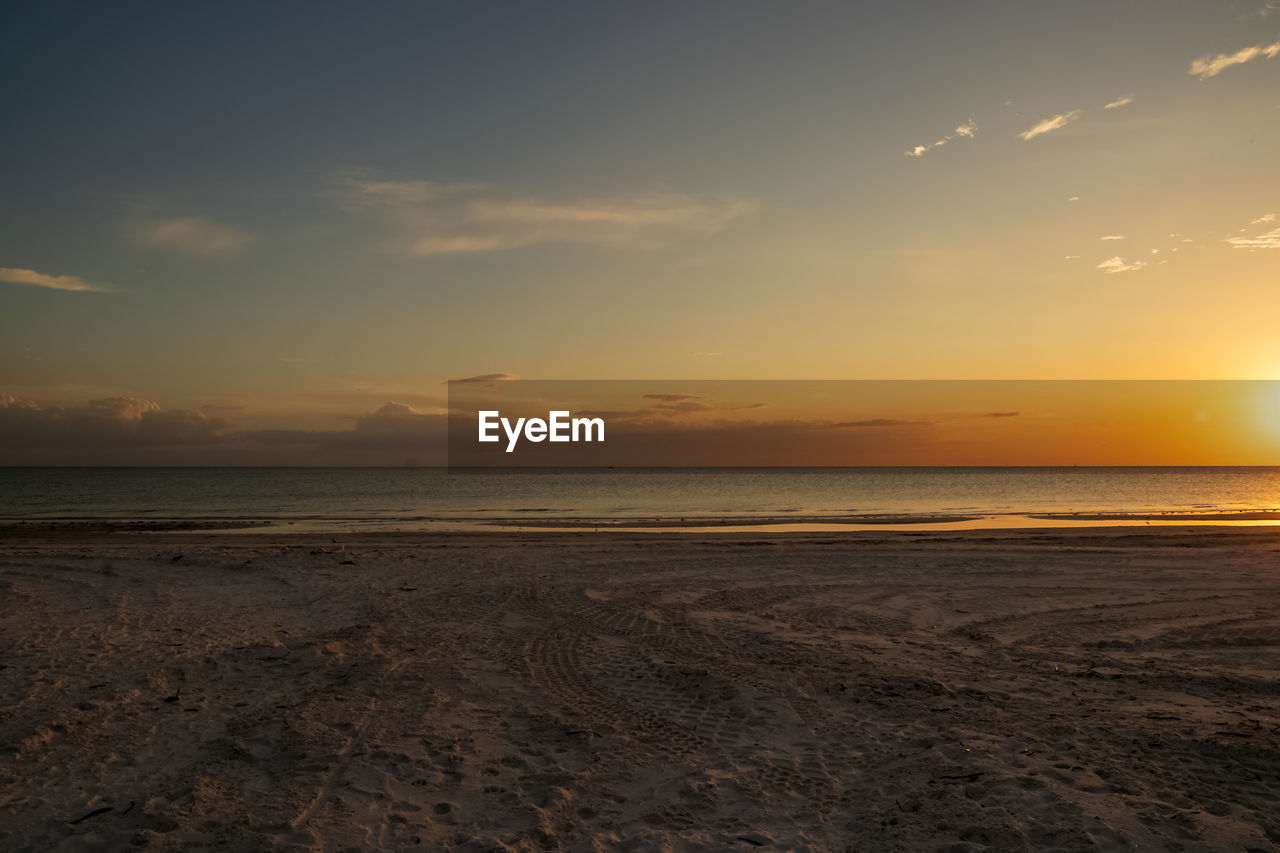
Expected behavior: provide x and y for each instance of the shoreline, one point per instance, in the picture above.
(691, 524)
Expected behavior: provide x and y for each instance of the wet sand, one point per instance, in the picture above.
(1070, 689)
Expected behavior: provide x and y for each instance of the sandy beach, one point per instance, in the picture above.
(1013, 690)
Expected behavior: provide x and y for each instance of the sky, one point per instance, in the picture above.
(284, 218)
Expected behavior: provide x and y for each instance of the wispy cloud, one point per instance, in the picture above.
(683, 406)
(1050, 124)
(921, 150)
(1119, 102)
(880, 422)
(358, 190)
(1112, 237)
(464, 244)
(430, 218)
(1266, 217)
(658, 210)
(1118, 264)
(53, 282)
(483, 377)
(191, 235)
(963, 131)
(1270, 240)
(1211, 66)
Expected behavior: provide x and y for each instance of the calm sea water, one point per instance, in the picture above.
(409, 497)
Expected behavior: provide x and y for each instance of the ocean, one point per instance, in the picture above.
(430, 498)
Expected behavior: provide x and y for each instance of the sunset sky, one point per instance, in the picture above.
(285, 217)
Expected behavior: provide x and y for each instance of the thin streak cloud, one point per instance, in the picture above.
(880, 422)
(428, 218)
(462, 244)
(963, 131)
(652, 211)
(357, 191)
(1211, 66)
(483, 377)
(14, 275)
(1050, 124)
